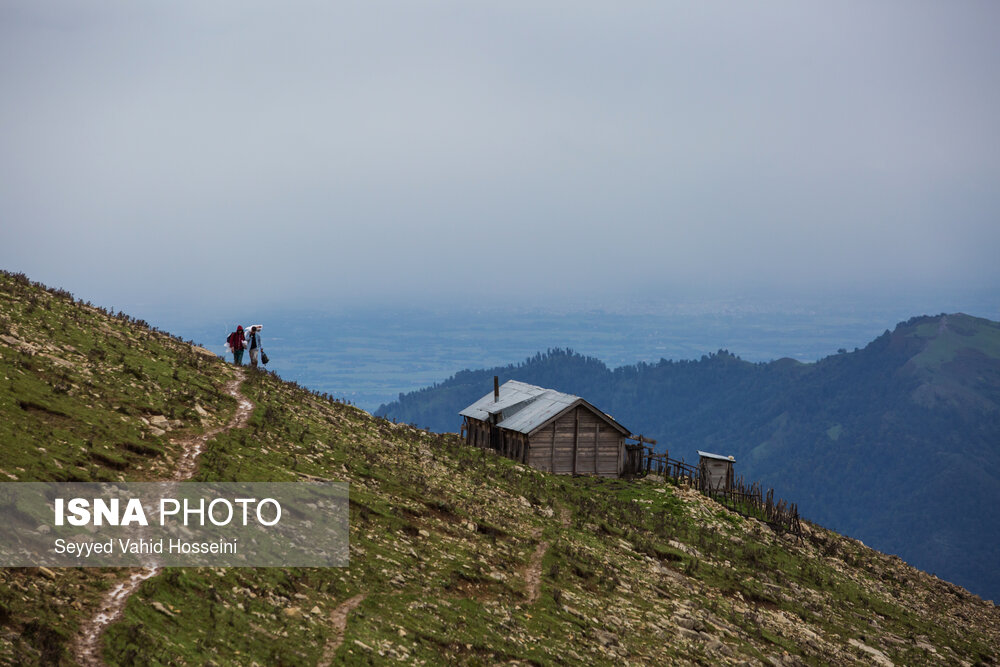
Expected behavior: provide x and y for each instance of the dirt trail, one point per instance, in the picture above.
(86, 646)
(194, 446)
(533, 573)
(338, 619)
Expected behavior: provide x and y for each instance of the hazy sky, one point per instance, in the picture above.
(322, 152)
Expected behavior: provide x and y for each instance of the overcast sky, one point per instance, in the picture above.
(165, 152)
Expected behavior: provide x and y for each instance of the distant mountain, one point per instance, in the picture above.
(897, 444)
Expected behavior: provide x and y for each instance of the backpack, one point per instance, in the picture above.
(232, 340)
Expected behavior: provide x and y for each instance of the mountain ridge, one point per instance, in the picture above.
(916, 411)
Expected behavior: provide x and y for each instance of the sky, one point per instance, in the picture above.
(185, 155)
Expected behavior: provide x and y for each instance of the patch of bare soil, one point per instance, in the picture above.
(338, 620)
(533, 573)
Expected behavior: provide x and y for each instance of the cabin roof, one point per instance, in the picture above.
(719, 457)
(525, 407)
(512, 393)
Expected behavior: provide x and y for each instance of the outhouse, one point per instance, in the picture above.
(716, 471)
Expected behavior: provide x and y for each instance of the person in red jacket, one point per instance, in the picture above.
(237, 344)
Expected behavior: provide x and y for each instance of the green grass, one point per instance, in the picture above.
(75, 389)
(960, 333)
(441, 535)
(456, 591)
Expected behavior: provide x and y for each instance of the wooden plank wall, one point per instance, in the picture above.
(477, 433)
(579, 435)
(717, 475)
(578, 443)
(540, 449)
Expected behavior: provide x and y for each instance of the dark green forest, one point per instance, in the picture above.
(896, 444)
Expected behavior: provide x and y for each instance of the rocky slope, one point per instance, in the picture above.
(457, 556)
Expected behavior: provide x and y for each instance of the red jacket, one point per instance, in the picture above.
(236, 341)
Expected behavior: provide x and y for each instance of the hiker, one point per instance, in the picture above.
(236, 344)
(253, 342)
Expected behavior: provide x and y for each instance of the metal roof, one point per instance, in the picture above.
(525, 407)
(720, 457)
(512, 393)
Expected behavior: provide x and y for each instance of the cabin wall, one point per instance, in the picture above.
(598, 449)
(540, 449)
(477, 433)
(508, 443)
(513, 445)
(580, 433)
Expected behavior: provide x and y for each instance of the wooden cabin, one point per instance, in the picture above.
(716, 471)
(546, 429)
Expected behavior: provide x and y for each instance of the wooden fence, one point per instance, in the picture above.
(749, 500)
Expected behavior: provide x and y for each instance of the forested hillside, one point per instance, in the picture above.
(896, 443)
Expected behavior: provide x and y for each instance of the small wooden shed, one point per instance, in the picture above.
(716, 471)
(546, 429)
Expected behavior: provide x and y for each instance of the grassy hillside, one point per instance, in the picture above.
(896, 444)
(457, 556)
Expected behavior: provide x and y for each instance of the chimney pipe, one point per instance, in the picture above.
(496, 388)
